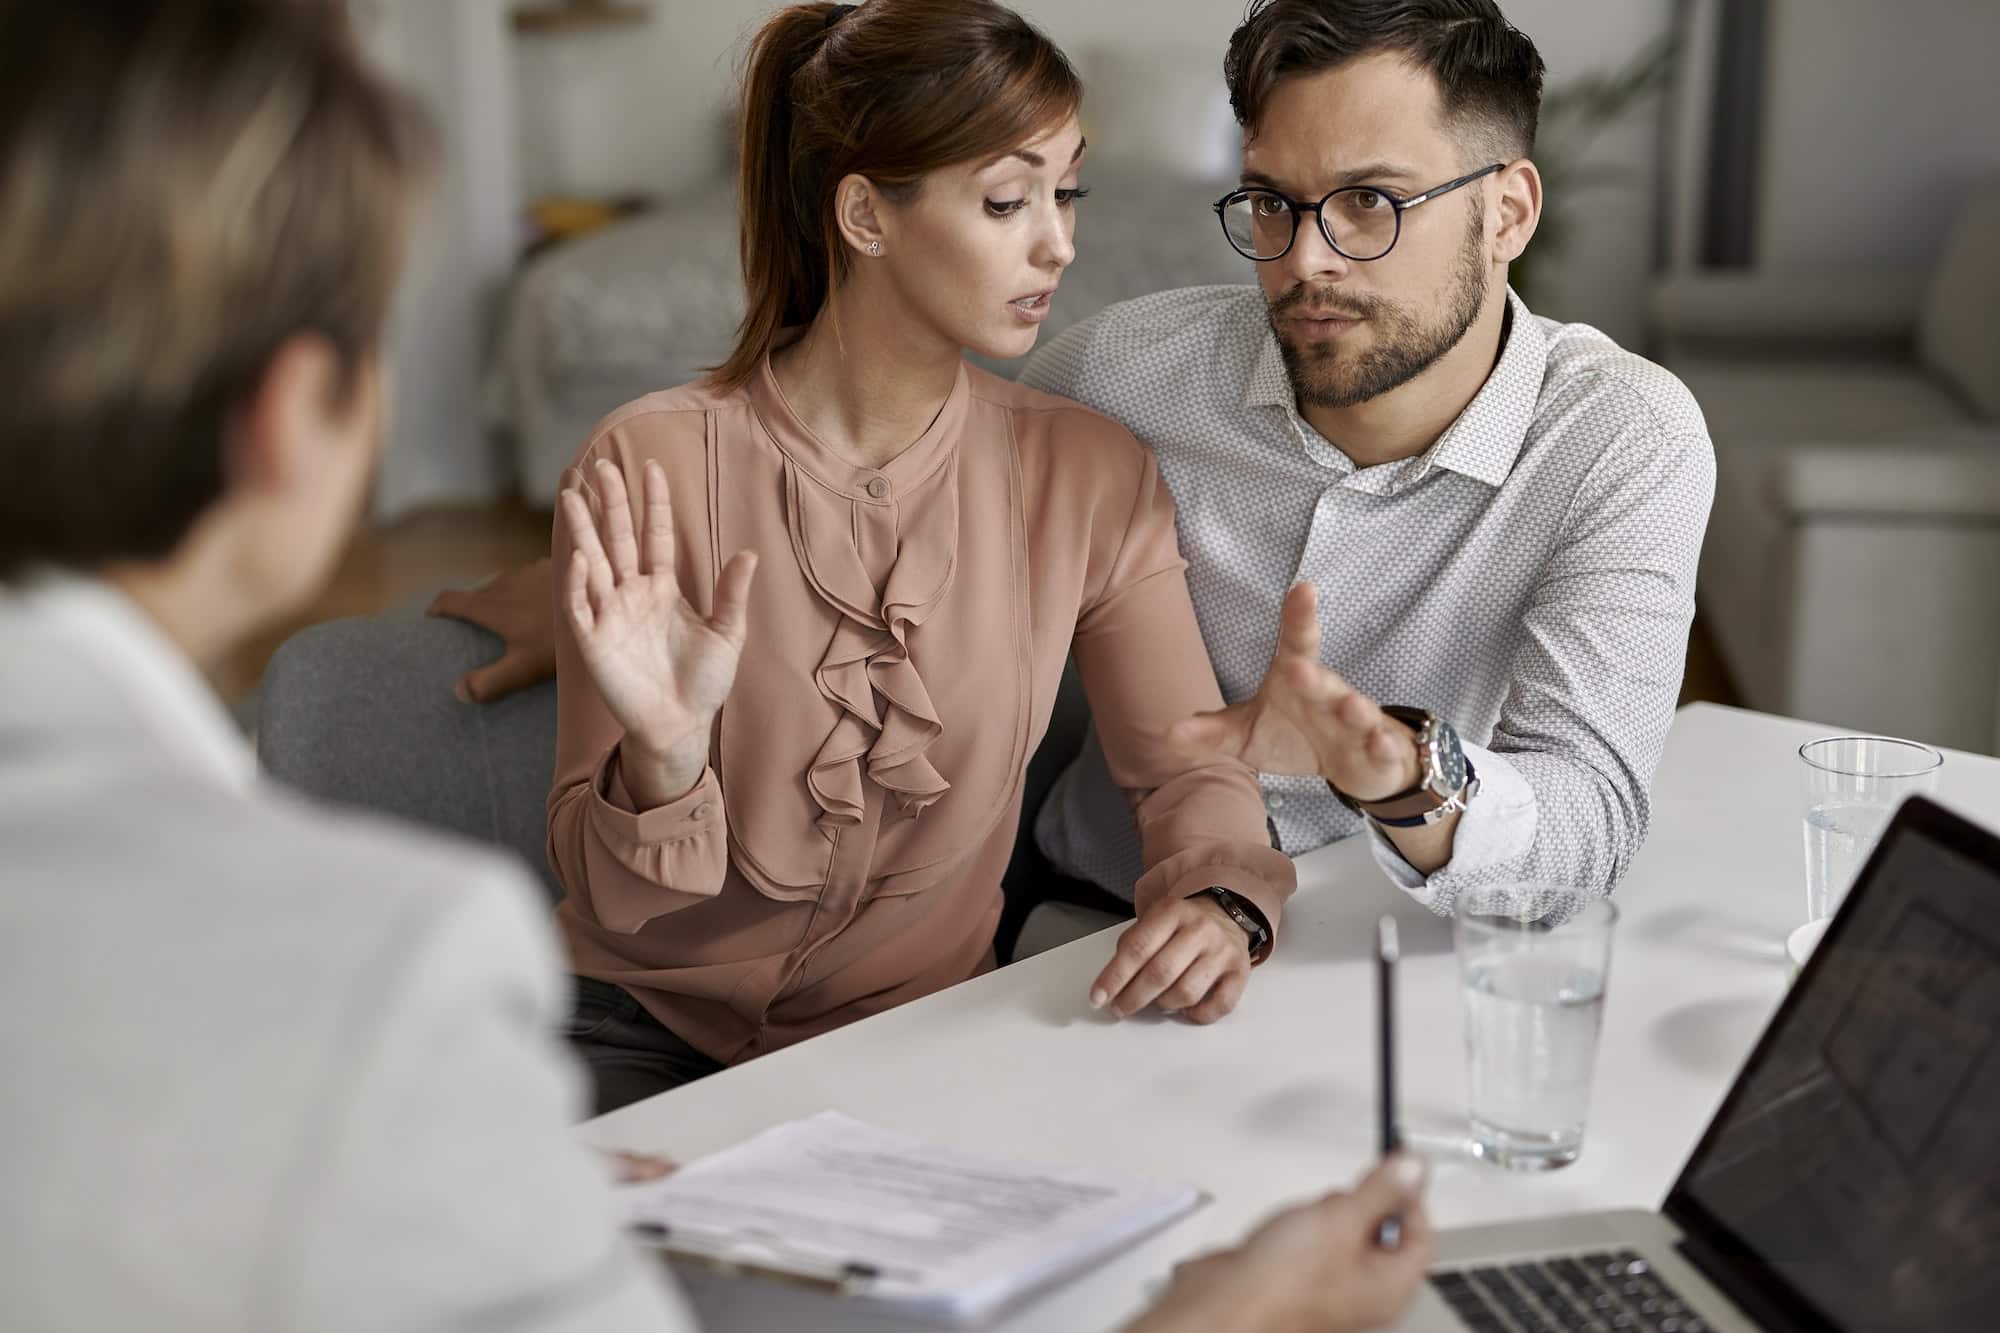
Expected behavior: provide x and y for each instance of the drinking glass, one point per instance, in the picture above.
(1534, 1002)
(1852, 785)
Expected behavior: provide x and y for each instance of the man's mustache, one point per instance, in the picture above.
(1307, 301)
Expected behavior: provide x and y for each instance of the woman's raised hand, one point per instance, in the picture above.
(662, 668)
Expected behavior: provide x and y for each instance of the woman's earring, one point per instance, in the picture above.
(874, 247)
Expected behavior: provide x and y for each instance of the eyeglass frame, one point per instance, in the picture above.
(1297, 207)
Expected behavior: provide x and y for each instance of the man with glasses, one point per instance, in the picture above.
(1495, 518)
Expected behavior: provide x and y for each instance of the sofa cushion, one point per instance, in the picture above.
(1949, 474)
(1783, 434)
(361, 712)
(1742, 587)
(1853, 439)
(1959, 337)
(1789, 313)
(1748, 402)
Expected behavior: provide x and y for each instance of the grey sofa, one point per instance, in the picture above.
(361, 712)
(1852, 568)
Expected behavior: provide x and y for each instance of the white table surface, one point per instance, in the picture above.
(1275, 1103)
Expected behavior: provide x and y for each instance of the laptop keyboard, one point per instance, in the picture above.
(1611, 1292)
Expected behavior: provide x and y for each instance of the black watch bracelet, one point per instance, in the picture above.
(1245, 914)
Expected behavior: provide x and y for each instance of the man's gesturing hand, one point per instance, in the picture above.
(1305, 719)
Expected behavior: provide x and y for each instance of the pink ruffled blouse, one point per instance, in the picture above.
(908, 629)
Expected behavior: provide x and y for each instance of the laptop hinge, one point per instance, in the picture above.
(1742, 1277)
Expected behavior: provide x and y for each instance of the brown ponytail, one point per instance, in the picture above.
(891, 90)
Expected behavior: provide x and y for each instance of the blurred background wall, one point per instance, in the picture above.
(1794, 204)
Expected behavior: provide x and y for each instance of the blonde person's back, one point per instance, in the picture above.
(269, 1067)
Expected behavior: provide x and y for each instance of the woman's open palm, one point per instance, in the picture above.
(662, 668)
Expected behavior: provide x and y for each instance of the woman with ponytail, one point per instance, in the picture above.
(812, 610)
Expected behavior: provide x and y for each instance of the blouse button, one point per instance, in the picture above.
(702, 811)
(879, 488)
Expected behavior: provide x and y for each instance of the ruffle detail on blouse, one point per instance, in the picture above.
(887, 722)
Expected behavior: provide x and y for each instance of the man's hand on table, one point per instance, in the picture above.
(1186, 957)
(519, 606)
(1310, 1269)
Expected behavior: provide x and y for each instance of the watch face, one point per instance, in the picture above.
(1449, 760)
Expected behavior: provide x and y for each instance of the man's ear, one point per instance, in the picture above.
(857, 212)
(277, 432)
(1520, 209)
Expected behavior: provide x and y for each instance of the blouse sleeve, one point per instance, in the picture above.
(620, 867)
(1144, 667)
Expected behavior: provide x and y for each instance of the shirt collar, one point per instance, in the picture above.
(1487, 437)
(1269, 384)
(148, 673)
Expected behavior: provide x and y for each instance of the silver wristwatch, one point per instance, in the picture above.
(1447, 782)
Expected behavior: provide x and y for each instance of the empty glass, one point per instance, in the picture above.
(1852, 785)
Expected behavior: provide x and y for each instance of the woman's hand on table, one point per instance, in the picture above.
(1185, 956)
(662, 668)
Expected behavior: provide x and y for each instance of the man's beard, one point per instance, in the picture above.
(1403, 348)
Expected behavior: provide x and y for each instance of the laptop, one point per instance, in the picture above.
(1850, 1180)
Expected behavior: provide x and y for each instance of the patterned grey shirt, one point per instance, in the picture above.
(1530, 577)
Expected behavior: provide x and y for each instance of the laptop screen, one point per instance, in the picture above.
(1853, 1174)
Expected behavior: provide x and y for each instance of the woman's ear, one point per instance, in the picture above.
(857, 212)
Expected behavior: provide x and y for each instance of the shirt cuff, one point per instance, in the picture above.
(1496, 828)
(687, 816)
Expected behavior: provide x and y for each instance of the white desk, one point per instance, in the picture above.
(1274, 1103)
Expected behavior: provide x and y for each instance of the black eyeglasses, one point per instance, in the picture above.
(1361, 222)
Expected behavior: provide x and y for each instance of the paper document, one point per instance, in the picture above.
(931, 1230)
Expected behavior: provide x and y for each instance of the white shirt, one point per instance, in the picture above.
(168, 696)
(271, 1065)
(1529, 578)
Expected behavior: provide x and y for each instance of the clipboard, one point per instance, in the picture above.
(837, 1206)
(713, 1253)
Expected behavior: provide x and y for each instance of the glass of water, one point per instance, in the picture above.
(1534, 1000)
(1853, 785)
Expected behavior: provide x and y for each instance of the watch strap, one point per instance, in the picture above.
(1400, 811)
(1245, 914)
(1413, 718)
(1404, 805)
(1420, 804)
(1421, 808)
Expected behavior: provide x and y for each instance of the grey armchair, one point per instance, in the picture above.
(360, 712)
(1852, 568)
